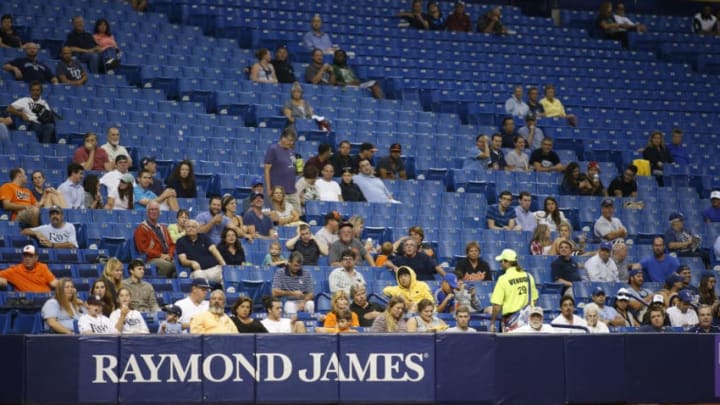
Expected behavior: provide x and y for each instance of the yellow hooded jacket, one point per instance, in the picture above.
(414, 293)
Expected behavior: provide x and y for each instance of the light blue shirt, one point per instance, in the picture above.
(372, 188)
(74, 194)
(607, 313)
(526, 219)
(215, 233)
(537, 139)
(140, 193)
(516, 108)
(313, 41)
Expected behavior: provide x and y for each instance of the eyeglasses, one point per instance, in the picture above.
(348, 258)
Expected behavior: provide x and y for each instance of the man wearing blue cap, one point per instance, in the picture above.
(607, 314)
(683, 314)
(195, 301)
(444, 295)
(683, 242)
(601, 267)
(256, 187)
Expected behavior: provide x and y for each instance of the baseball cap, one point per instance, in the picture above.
(459, 3)
(173, 309)
(634, 272)
(368, 146)
(598, 290)
(345, 224)
(606, 246)
(676, 216)
(253, 196)
(673, 278)
(395, 147)
(623, 294)
(257, 181)
(200, 283)
(94, 300)
(607, 202)
(658, 299)
(536, 311)
(685, 296)
(29, 250)
(55, 208)
(507, 255)
(146, 160)
(593, 165)
(715, 195)
(681, 268)
(451, 279)
(127, 178)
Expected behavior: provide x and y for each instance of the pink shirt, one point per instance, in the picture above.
(105, 41)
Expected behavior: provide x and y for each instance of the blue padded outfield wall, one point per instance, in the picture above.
(364, 368)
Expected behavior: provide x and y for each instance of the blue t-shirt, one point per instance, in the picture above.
(262, 225)
(215, 232)
(500, 219)
(658, 270)
(440, 297)
(282, 172)
(141, 193)
(711, 214)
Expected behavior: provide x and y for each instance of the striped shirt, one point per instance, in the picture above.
(285, 281)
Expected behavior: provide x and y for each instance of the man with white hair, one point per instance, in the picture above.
(535, 323)
(113, 148)
(591, 314)
(214, 320)
(196, 251)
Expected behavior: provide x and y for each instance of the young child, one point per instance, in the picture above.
(274, 258)
(344, 324)
(386, 251)
(452, 294)
(171, 324)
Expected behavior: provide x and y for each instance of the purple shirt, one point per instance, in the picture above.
(282, 172)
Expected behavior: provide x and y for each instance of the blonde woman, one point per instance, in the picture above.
(283, 213)
(392, 320)
(60, 311)
(340, 303)
(113, 276)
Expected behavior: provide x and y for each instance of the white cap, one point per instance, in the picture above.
(715, 194)
(29, 249)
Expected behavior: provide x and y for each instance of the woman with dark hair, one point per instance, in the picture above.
(426, 320)
(182, 180)
(350, 190)
(121, 198)
(263, 71)
(230, 248)
(550, 214)
(435, 19)
(707, 289)
(571, 178)
(241, 315)
(100, 289)
(472, 267)
(93, 199)
(106, 41)
(125, 319)
(228, 207)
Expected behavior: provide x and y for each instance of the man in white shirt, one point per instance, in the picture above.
(462, 321)
(113, 147)
(31, 109)
(58, 234)
(515, 105)
(682, 314)
(567, 317)
(607, 227)
(535, 323)
(601, 267)
(94, 322)
(111, 179)
(275, 323)
(525, 219)
(195, 301)
(328, 189)
(373, 188)
(342, 278)
(624, 23)
(328, 234)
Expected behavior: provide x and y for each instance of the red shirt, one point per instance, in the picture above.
(101, 157)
